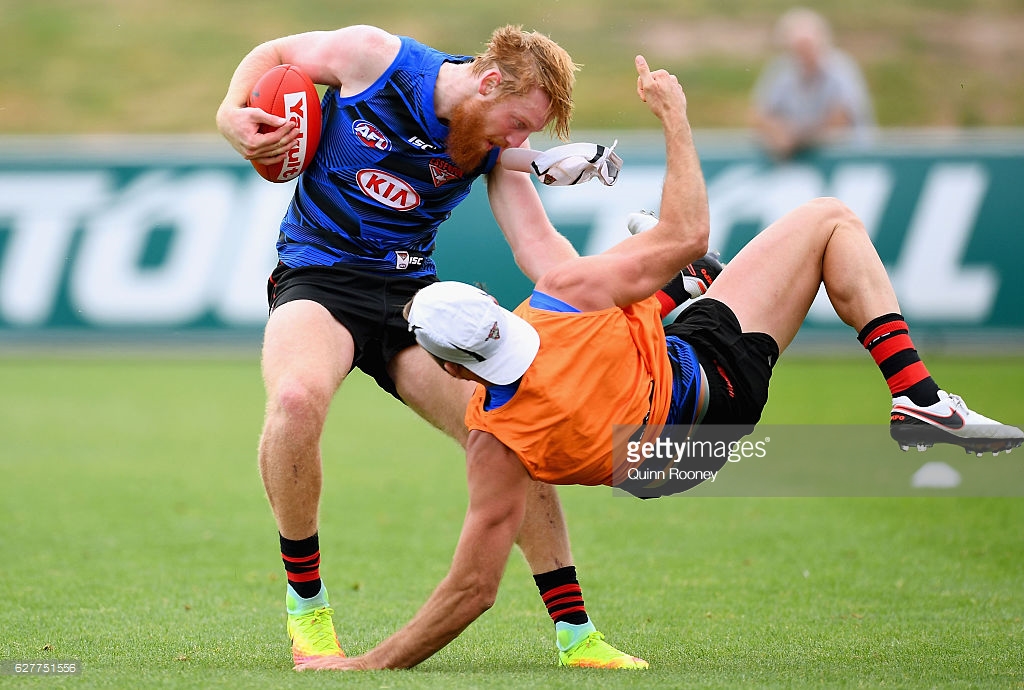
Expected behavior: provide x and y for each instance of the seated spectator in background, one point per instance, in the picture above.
(811, 94)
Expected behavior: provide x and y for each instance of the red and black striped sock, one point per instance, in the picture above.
(302, 565)
(887, 338)
(562, 595)
(671, 295)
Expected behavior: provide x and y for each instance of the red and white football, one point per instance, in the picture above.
(287, 92)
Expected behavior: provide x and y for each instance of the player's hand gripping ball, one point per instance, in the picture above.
(287, 92)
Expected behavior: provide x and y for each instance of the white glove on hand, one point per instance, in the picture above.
(575, 163)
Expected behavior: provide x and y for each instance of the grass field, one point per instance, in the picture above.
(136, 539)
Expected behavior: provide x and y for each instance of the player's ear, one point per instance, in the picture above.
(489, 81)
(460, 372)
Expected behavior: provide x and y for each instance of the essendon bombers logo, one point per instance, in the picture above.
(370, 135)
(404, 260)
(385, 188)
(443, 171)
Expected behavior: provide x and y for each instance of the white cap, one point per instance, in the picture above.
(463, 324)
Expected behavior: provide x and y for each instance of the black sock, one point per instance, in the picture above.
(302, 565)
(562, 595)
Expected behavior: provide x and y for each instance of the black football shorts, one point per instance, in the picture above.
(368, 305)
(738, 365)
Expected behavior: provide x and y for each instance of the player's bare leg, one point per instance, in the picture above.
(771, 283)
(306, 355)
(430, 392)
(543, 537)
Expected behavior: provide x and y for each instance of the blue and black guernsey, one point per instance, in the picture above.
(381, 182)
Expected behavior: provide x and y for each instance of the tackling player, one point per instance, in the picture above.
(588, 350)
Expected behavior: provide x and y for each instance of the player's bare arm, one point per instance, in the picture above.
(498, 485)
(350, 58)
(638, 266)
(536, 245)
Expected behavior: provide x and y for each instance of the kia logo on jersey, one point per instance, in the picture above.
(370, 135)
(387, 189)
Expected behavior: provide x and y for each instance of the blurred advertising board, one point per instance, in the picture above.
(126, 237)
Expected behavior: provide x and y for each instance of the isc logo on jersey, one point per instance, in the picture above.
(387, 189)
(370, 135)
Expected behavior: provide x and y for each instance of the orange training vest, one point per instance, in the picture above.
(593, 370)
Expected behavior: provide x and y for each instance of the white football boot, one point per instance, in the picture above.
(949, 421)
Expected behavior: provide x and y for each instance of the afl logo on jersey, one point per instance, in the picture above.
(370, 135)
(387, 189)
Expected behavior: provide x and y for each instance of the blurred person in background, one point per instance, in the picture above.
(350, 260)
(811, 94)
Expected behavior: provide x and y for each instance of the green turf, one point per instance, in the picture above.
(135, 537)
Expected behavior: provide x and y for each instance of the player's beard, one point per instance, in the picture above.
(466, 144)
